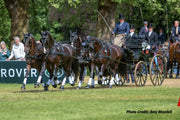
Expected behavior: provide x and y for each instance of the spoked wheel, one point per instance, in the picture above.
(140, 74)
(157, 70)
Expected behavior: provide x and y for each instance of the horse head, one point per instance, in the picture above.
(73, 37)
(46, 41)
(27, 42)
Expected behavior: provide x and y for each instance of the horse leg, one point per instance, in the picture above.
(41, 71)
(177, 74)
(50, 70)
(28, 67)
(113, 75)
(55, 76)
(112, 80)
(81, 76)
(91, 76)
(102, 69)
(67, 75)
(171, 66)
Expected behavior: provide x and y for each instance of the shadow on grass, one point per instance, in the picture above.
(75, 88)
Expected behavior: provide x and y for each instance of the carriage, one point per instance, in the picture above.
(145, 63)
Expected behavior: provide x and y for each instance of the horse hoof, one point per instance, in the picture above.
(46, 87)
(88, 86)
(110, 86)
(55, 86)
(170, 76)
(58, 82)
(78, 88)
(36, 85)
(62, 87)
(100, 82)
(23, 88)
(177, 77)
(72, 84)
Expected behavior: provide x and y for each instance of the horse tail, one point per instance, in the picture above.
(126, 58)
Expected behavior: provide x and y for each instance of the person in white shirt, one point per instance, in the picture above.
(17, 50)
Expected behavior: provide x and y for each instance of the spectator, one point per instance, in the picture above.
(17, 50)
(144, 29)
(161, 37)
(4, 52)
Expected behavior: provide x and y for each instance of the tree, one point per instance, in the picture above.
(108, 10)
(19, 14)
(5, 23)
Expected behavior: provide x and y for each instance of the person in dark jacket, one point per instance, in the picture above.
(4, 52)
(121, 29)
(152, 37)
(144, 29)
(176, 31)
(131, 36)
(161, 37)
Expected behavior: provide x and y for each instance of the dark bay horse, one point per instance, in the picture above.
(82, 52)
(34, 58)
(58, 56)
(105, 57)
(174, 53)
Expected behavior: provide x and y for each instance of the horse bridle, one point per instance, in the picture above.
(29, 45)
(44, 43)
(97, 55)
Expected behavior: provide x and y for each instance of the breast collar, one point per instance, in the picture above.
(104, 46)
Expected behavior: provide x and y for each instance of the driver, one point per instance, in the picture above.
(122, 29)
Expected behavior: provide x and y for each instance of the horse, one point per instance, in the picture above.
(80, 43)
(58, 56)
(174, 53)
(34, 58)
(105, 57)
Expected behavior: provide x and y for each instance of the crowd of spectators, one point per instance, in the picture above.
(17, 51)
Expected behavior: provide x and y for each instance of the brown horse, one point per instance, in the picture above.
(34, 58)
(58, 56)
(174, 53)
(82, 52)
(105, 56)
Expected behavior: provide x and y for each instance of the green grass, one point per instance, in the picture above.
(92, 104)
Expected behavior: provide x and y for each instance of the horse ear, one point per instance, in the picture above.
(70, 32)
(23, 33)
(28, 33)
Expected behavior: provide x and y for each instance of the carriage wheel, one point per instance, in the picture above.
(157, 70)
(140, 74)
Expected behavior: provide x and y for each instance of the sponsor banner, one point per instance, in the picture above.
(14, 72)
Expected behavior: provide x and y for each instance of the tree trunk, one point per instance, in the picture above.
(108, 10)
(19, 14)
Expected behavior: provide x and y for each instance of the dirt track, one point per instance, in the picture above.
(167, 82)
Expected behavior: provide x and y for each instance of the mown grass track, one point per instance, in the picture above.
(91, 104)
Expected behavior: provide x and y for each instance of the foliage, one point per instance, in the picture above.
(5, 21)
(60, 16)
